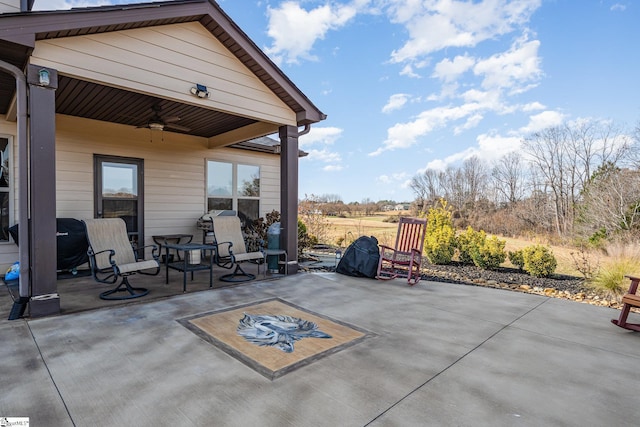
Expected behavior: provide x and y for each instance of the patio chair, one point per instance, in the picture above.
(405, 258)
(231, 248)
(111, 257)
(629, 300)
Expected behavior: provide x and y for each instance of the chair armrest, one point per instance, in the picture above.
(154, 251)
(225, 261)
(94, 263)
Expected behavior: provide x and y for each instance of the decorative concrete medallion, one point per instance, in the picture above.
(262, 335)
(277, 331)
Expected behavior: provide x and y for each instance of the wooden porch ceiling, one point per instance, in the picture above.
(98, 102)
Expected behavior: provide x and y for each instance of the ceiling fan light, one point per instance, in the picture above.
(156, 126)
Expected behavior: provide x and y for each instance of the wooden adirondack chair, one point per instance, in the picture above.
(630, 299)
(405, 258)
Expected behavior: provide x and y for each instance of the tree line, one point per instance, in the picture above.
(577, 180)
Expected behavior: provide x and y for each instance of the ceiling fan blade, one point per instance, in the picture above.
(171, 119)
(177, 127)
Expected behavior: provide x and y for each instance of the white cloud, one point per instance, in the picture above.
(618, 7)
(332, 168)
(294, 30)
(393, 178)
(489, 148)
(405, 135)
(543, 120)
(320, 135)
(533, 106)
(449, 70)
(407, 70)
(439, 24)
(515, 69)
(395, 102)
(323, 155)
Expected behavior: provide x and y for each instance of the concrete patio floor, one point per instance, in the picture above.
(437, 355)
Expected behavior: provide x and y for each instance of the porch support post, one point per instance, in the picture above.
(289, 194)
(42, 173)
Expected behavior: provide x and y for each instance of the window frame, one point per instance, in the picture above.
(11, 185)
(235, 196)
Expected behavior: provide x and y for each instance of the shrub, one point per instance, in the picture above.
(439, 242)
(610, 278)
(517, 259)
(585, 262)
(467, 242)
(539, 261)
(305, 240)
(490, 253)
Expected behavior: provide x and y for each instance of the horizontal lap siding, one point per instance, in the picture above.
(174, 172)
(166, 61)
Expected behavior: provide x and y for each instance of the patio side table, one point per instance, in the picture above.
(278, 253)
(164, 239)
(187, 264)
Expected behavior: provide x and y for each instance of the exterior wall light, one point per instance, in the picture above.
(200, 91)
(43, 77)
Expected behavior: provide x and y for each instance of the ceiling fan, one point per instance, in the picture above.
(158, 122)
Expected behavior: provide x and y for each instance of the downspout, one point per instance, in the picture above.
(23, 176)
(24, 6)
(306, 130)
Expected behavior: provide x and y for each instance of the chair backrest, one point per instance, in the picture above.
(410, 234)
(109, 233)
(228, 229)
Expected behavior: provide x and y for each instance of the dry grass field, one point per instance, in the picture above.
(343, 231)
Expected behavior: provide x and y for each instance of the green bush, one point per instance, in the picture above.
(490, 253)
(517, 259)
(440, 239)
(539, 261)
(467, 242)
(305, 240)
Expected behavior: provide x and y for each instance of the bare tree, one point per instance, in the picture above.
(596, 144)
(475, 181)
(426, 187)
(612, 202)
(508, 178)
(566, 156)
(548, 151)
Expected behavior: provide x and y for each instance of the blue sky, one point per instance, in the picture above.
(415, 84)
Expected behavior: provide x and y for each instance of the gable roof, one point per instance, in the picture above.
(20, 31)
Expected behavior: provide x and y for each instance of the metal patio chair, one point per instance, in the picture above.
(232, 250)
(405, 258)
(111, 256)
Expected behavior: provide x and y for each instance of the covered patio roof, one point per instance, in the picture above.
(93, 100)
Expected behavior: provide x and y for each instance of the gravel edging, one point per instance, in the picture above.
(557, 286)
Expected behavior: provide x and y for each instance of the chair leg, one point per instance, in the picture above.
(238, 275)
(622, 320)
(124, 286)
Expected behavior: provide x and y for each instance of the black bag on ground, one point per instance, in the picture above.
(361, 258)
